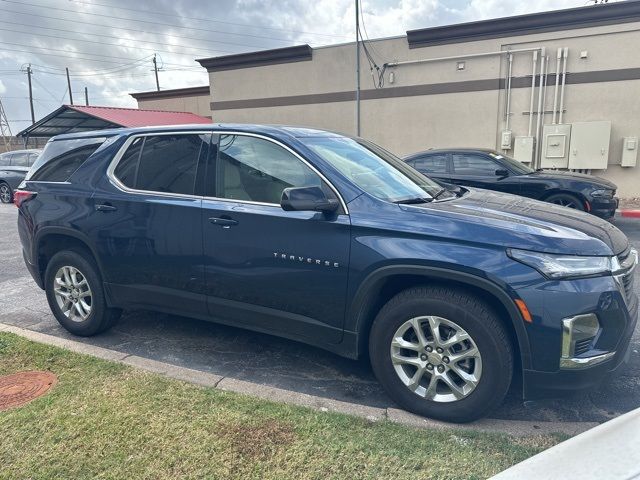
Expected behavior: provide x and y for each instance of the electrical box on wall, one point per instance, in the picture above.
(589, 146)
(523, 149)
(505, 142)
(555, 146)
(629, 151)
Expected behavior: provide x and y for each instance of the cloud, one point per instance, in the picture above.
(108, 45)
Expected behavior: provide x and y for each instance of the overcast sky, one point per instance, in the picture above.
(108, 44)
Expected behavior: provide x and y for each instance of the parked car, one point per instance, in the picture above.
(495, 171)
(14, 166)
(331, 241)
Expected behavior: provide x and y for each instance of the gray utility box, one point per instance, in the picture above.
(523, 149)
(555, 146)
(629, 151)
(589, 146)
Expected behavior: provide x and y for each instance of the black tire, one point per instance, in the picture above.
(6, 195)
(566, 200)
(101, 317)
(477, 319)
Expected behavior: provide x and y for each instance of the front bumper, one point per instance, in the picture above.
(604, 207)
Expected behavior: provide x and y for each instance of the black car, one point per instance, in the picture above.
(494, 171)
(14, 166)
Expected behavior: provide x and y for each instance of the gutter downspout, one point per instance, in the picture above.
(508, 110)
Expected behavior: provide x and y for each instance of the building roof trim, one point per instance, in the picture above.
(172, 93)
(571, 18)
(298, 53)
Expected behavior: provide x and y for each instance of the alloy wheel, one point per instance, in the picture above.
(566, 202)
(72, 293)
(5, 194)
(436, 359)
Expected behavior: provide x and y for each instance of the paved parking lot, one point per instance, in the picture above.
(272, 361)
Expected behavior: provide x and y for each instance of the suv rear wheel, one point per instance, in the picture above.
(75, 294)
(441, 353)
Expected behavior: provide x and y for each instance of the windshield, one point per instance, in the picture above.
(518, 167)
(373, 169)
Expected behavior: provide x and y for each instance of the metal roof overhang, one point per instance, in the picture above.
(64, 120)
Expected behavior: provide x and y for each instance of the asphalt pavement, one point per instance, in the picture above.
(275, 362)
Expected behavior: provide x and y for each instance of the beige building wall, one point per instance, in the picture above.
(433, 104)
(193, 100)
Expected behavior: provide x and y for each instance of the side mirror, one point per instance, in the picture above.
(307, 199)
(502, 172)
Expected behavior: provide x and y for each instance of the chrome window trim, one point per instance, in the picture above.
(119, 185)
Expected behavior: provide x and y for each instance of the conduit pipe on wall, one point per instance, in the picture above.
(507, 119)
(555, 92)
(540, 95)
(459, 57)
(533, 89)
(564, 79)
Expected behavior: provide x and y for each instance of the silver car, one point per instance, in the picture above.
(14, 166)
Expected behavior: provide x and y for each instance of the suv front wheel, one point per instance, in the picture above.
(75, 294)
(441, 353)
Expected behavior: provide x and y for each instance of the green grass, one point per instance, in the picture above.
(106, 420)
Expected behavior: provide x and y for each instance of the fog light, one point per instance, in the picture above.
(578, 334)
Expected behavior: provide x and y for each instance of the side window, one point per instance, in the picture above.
(4, 160)
(162, 163)
(469, 164)
(61, 158)
(258, 170)
(432, 164)
(20, 160)
(128, 165)
(32, 158)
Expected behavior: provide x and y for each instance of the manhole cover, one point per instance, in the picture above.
(20, 388)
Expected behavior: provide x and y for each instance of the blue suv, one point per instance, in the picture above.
(332, 241)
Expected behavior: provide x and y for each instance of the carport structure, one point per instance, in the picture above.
(79, 118)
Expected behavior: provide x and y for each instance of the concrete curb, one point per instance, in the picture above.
(487, 425)
(629, 213)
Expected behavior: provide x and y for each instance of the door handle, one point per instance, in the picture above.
(105, 207)
(223, 222)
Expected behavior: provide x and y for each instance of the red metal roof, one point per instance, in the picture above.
(133, 117)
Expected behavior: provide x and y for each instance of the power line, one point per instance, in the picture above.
(208, 20)
(111, 36)
(149, 22)
(78, 40)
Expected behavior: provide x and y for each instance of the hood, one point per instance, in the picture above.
(519, 222)
(554, 175)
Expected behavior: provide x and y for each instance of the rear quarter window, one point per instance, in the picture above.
(61, 158)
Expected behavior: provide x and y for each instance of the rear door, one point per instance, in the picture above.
(434, 165)
(271, 270)
(147, 222)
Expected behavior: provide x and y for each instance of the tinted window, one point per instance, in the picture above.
(432, 164)
(61, 158)
(127, 166)
(474, 165)
(162, 163)
(20, 160)
(258, 170)
(4, 160)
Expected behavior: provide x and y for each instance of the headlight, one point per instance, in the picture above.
(603, 193)
(564, 266)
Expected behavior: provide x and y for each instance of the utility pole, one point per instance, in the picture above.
(155, 68)
(5, 129)
(86, 96)
(69, 87)
(357, 68)
(29, 72)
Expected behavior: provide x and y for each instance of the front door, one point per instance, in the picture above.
(267, 269)
(479, 170)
